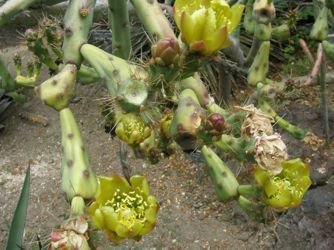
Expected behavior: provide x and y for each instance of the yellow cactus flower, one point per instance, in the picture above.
(206, 24)
(286, 189)
(124, 210)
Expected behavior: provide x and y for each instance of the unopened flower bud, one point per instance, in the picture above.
(166, 51)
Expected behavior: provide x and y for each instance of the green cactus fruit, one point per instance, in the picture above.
(77, 206)
(225, 183)
(240, 148)
(166, 52)
(196, 85)
(249, 20)
(78, 178)
(263, 31)
(319, 30)
(58, 91)
(281, 32)
(131, 129)
(149, 147)
(132, 94)
(329, 49)
(187, 120)
(264, 11)
(260, 66)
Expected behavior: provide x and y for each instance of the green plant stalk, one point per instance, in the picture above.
(226, 185)
(15, 237)
(12, 7)
(78, 178)
(77, 21)
(250, 191)
(256, 43)
(329, 49)
(112, 69)
(153, 19)
(324, 97)
(85, 74)
(240, 148)
(6, 79)
(120, 26)
(295, 131)
(253, 209)
(281, 32)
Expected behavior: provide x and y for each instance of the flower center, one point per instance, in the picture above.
(129, 205)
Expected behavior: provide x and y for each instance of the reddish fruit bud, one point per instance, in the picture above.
(216, 123)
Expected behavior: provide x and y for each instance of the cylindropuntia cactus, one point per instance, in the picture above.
(260, 66)
(58, 91)
(78, 178)
(249, 20)
(319, 30)
(264, 11)
(226, 185)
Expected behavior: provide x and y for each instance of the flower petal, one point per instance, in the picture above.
(108, 187)
(98, 219)
(236, 14)
(140, 183)
(110, 217)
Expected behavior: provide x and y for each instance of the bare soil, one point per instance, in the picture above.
(190, 216)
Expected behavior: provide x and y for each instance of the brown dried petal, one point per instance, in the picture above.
(270, 152)
(256, 122)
